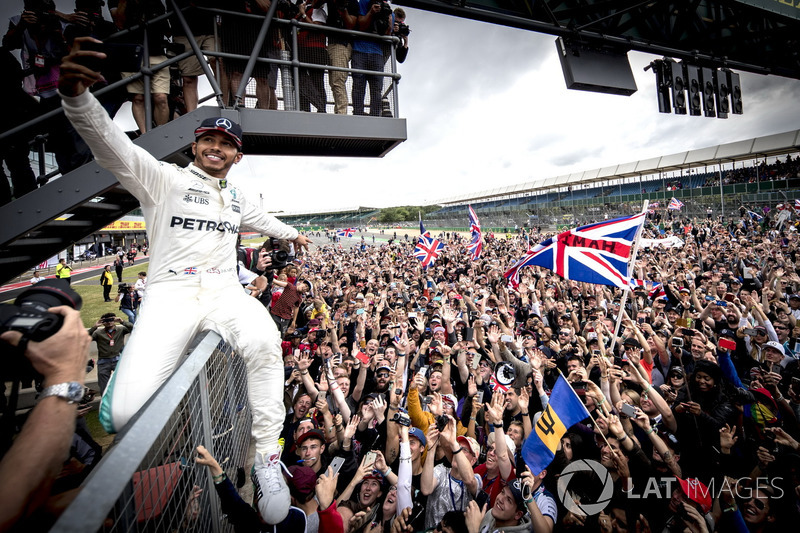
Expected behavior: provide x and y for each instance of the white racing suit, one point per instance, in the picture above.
(192, 284)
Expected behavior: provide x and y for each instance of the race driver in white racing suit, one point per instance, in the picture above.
(193, 217)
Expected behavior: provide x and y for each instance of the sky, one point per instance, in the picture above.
(487, 106)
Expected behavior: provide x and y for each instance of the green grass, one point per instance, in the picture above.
(96, 428)
(92, 293)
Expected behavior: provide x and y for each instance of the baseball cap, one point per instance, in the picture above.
(302, 482)
(450, 398)
(794, 297)
(383, 367)
(439, 329)
(726, 332)
(417, 434)
(630, 341)
(222, 125)
(775, 345)
(697, 492)
(516, 491)
(470, 444)
(310, 434)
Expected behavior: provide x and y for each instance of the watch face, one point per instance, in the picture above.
(75, 391)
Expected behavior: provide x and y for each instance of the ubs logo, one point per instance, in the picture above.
(188, 198)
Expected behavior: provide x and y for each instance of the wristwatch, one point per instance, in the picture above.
(72, 391)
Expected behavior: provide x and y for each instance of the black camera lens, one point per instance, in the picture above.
(29, 314)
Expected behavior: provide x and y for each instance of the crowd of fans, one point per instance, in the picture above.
(395, 376)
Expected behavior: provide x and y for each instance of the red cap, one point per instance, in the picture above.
(697, 492)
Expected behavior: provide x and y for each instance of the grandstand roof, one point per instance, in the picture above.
(338, 211)
(757, 147)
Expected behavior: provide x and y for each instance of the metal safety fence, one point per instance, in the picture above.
(148, 480)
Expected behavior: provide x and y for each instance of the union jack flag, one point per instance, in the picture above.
(755, 216)
(428, 248)
(191, 271)
(654, 204)
(347, 232)
(597, 253)
(475, 247)
(474, 224)
(797, 204)
(654, 289)
(675, 204)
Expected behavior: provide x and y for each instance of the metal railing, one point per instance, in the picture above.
(148, 481)
(299, 69)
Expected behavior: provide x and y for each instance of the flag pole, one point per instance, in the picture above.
(627, 289)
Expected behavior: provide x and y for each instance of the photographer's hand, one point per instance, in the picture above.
(31, 465)
(61, 357)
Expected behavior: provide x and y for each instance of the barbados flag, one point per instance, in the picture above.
(563, 411)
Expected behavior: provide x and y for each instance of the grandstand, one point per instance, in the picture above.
(331, 218)
(721, 177)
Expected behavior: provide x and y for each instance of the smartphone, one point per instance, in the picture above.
(596, 352)
(687, 332)
(506, 338)
(628, 410)
(412, 315)
(359, 311)
(476, 361)
(796, 385)
(750, 331)
(778, 369)
(369, 458)
(721, 303)
(423, 371)
(336, 465)
(677, 342)
(709, 298)
(119, 56)
(381, 350)
(362, 358)
(727, 344)
(469, 334)
(479, 395)
(729, 297)
(322, 395)
(579, 385)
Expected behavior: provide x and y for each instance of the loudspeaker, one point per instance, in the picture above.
(707, 91)
(694, 88)
(678, 83)
(736, 93)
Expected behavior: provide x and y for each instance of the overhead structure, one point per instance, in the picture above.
(759, 36)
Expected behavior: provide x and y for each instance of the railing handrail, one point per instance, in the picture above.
(146, 70)
(109, 479)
